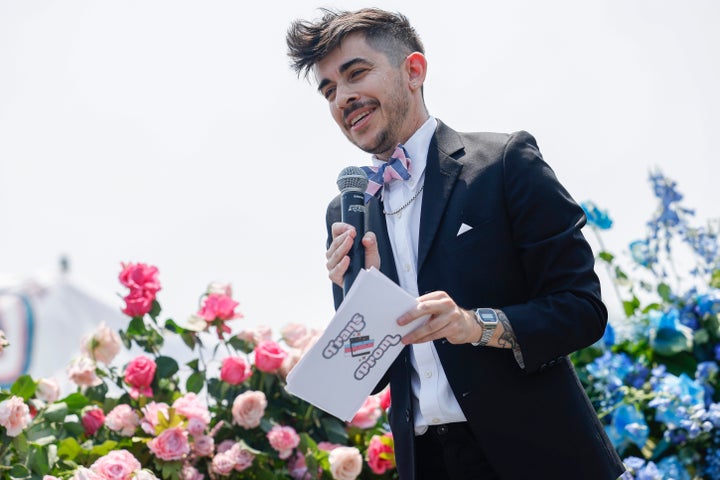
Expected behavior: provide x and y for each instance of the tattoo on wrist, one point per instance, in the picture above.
(508, 339)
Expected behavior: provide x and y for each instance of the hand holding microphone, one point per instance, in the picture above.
(351, 249)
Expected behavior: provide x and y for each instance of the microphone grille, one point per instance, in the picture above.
(352, 178)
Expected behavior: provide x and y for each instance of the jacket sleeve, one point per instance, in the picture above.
(564, 312)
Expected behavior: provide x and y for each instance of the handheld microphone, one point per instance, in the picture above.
(352, 182)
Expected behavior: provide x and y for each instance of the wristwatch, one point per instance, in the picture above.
(487, 318)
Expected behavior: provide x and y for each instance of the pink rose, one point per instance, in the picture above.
(292, 359)
(235, 370)
(92, 420)
(368, 414)
(269, 356)
(190, 473)
(171, 444)
(123, 419)
(294, 334)
(345, 463)
(256, 334)
(151, 416)
(116, 465)
(222, 463)
(82, 372)
(203, 445)
(381, 453)
(284, 440)
(242, 457)
(139, 276)
(248, 409)
(139, 375)
(218, 306)
(103, 345)
(47, 390)
(385, 399)
(144, 474)
(225, 445)
(14, 415)
(83, 473)
(194, 409)
(138, 303)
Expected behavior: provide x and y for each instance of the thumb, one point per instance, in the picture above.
(372, 254)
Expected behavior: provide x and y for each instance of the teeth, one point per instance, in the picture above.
(358, 118)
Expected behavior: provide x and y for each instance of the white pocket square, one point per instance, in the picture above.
(464, 228)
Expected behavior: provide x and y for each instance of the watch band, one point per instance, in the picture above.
(487, 318)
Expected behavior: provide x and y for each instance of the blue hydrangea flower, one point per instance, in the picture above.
(674, 397)
(596, 217)
(672, 468)
(642, 253)
(667, 335)
(627, 425)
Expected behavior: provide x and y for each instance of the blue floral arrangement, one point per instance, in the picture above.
(653, 378)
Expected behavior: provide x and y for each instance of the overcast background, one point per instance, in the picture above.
(174, 132)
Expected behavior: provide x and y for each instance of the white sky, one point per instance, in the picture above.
(148, 130)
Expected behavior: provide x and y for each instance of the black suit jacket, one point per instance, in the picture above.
(525, 255)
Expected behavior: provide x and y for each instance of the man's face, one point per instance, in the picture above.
(368, 97)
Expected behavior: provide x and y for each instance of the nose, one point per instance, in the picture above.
(344, 96)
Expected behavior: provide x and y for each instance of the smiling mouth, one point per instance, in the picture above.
(358, 118)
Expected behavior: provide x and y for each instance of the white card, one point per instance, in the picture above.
(362, 340)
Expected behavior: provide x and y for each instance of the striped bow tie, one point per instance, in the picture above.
(394, 169)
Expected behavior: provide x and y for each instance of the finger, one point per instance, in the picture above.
(372, 253)
(339, 227)
(338, 251)
(337, 273)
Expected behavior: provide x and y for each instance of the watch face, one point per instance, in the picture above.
(487, 315)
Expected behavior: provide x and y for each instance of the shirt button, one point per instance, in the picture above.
(399, 215)
(435, 421)
(407, 267)
(428, 374)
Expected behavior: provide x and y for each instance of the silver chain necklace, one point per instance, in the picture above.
(406, 203)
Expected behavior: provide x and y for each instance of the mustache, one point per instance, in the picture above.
(357, 105)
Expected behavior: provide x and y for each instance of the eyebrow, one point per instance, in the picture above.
(343, 68)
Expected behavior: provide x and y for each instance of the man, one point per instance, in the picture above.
(487, 238)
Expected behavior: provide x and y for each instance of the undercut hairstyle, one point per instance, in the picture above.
(390, 33)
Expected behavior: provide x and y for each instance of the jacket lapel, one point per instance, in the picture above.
(375, 220)
(441, 173)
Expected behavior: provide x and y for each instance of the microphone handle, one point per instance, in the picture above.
(353, 213)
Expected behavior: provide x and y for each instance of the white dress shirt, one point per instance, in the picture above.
(433, 400)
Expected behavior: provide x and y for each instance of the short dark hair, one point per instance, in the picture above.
(391, 33)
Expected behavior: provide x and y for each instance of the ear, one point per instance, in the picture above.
(416, 68)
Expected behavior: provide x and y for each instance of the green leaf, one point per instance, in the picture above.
(56, 412)
(136, 327)
(104, 448)
(18, 471)
(155, 309)
(171, 469)
(715, 279)
(190, 339)
(664, 291)
(631, 305)
(606, 256)
(24, 387)
(335, 430)
(194, 364)
(38, 461)
(69, 448)
(166, 367)
(195, 382)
